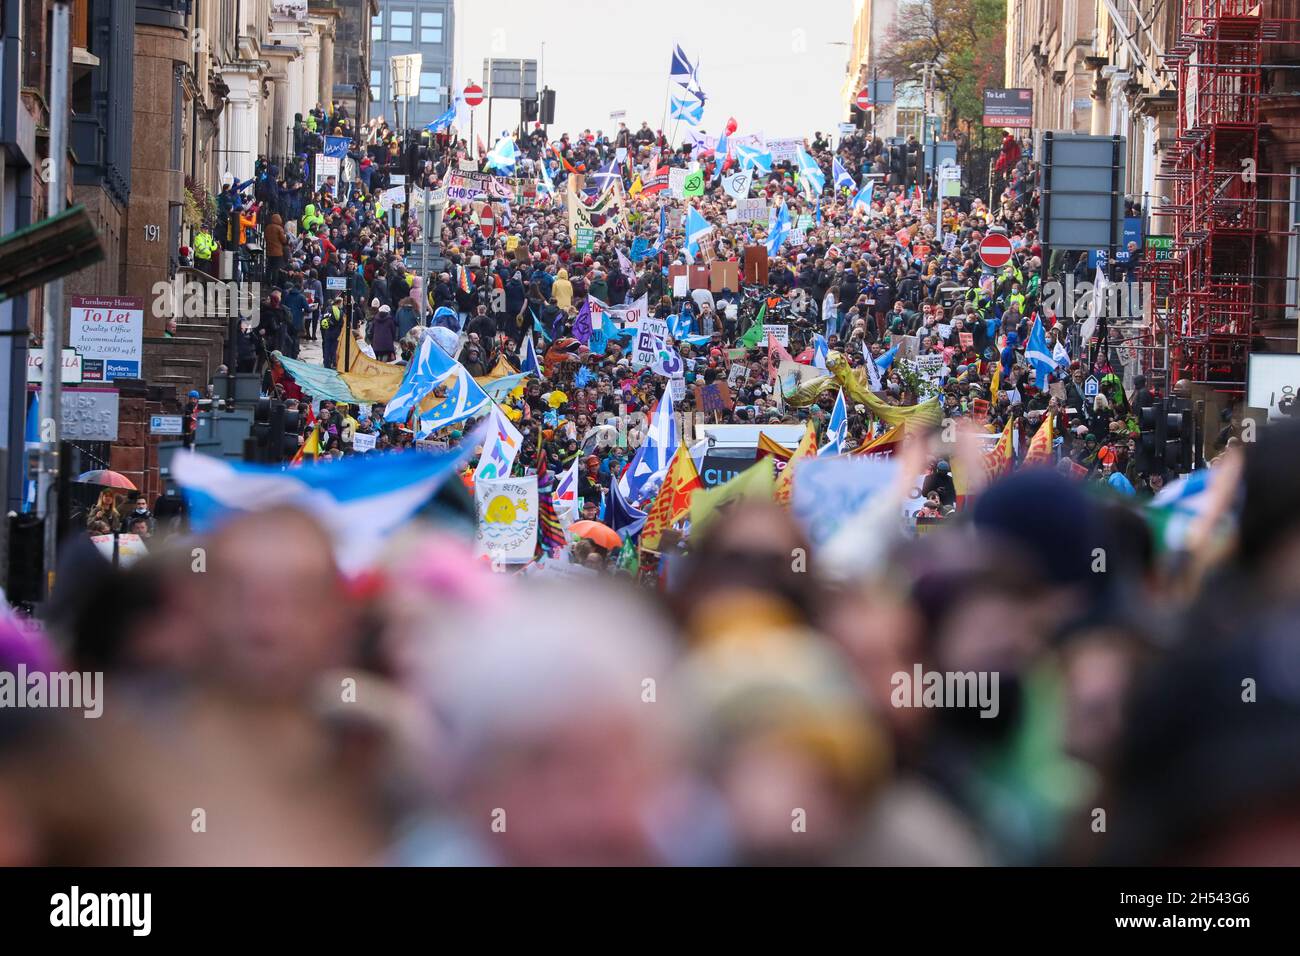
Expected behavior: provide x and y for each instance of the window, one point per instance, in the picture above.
(430, 87)
(1293, 245)
(375, 81)
(400, 31)
(377, 26)
(909, 123)
(430, 27)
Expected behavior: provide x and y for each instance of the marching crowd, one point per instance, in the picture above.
(755, 703)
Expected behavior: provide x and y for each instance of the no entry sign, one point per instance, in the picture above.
(995, 250)
(473, 95)
(864, 100)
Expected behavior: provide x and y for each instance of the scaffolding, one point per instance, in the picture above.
(1204, 321)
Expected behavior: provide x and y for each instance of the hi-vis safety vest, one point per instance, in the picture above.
(204, 245)
(333, 318)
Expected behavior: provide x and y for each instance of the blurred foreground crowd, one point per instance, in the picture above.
(261, 708)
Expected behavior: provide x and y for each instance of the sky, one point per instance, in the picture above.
(769, 63)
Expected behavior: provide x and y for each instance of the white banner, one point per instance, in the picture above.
(507, 519)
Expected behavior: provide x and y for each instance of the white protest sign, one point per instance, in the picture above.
(677, 182)
(363, 442)
(507, 518)
(751, 210)
(651, 334)
(779, 332)
(784, 150)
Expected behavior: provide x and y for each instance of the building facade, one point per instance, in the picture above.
(412, 26)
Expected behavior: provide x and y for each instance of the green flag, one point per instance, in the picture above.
(754, 336)
(694, 184)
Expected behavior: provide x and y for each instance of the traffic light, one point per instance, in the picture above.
(1178, 436)
(1152, 424)
(261, 435)
(528, 111)
(546, 106)
(26, 584)
(289, 441)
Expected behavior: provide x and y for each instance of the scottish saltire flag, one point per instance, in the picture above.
(500, 447)
(663, 227)
(359, 499)
(464, 398)
(837, 429)
(680, 324)
(546, 183)
(811, 177)
(821, 351)
(697, 229)
(656, 452)
(444, 121)
(780, 229)
(1037, 353)
(499, 389)
(427, 366)
(528, 363)
(622, 516)
(681, 70)
(503, 155)
(863, 199)
(1061, 355)
(605, 177)
(842, 178)
(720, 152)
(751, 157)
(687, 108)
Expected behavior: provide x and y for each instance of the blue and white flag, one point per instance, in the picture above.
(837, 429)
(886, 359)
(503, 156)
(1037, 353)
(680, 324)
(359, 499)
(622, 516)
(842, 178)
(720, 156)
(863, 199)
(656, 452)
(821, 351)
(780, 229)
(546, 184)
(873, 370)
(434, 375)
(445, 121)
(528, 363)
(663, 227)
(751, 157)
(605, 177)
(499, 389)
(811, 177)
(687, 108)
(681, 70)
(697, 230)
(736, 185)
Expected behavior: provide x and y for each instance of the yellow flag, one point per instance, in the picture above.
(371, 380)
(785, 480)
(996, 381)
(1040, 446)
(673, 502)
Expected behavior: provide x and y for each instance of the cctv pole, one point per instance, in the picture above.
(51, 400)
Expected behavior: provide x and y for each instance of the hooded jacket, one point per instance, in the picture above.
(562, 290)
(275, 237)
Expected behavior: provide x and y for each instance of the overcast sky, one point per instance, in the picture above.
(768, 63)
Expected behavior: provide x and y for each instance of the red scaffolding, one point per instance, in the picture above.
(1206, 319)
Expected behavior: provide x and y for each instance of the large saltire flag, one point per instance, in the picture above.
(504, 155)
(1040, 451)
(359, 499)
(500, 448)
(687, 107)
(673, 503)
(1039, 355)
(807, 448)
(752, 157)
(656, 452)
(438, 388)
(837, 429)
(1000, 459)
(864, 195)
(528, 363)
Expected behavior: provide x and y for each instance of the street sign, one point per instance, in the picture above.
(1091, 387)
(864, 100)
(336, 283)
(473, 95)
(995, 250)
(166, 425)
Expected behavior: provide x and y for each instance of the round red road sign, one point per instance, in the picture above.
(473, 95)
(486, 221)
(995, 250)
(864, 100)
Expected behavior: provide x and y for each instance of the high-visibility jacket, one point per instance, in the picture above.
(204, 245)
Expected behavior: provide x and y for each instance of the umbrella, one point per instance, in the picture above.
(601, 534)
(109, 479)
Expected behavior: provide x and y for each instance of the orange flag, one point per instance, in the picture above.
(673, 503)
(1040, 446)
(785, 481)
(998, 461)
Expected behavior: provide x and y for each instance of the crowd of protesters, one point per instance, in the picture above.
(746, 709)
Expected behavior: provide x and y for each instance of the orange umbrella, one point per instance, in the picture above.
(601, 534)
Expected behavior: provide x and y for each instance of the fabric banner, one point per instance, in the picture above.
(507, 519)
